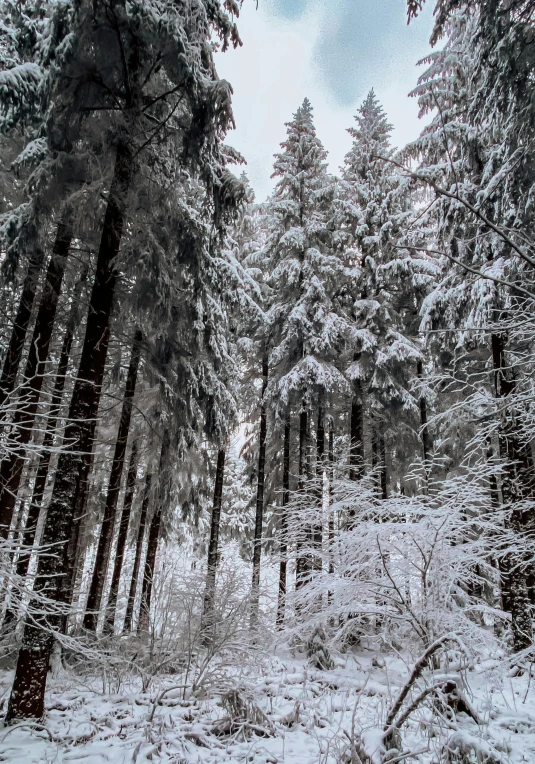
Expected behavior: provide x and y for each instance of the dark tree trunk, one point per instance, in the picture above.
(317, 530)
(424, 428)
(148, 573)
(283, 529)
(98, 580)
(154, 537)
(379, 461)
(213, 550)
(73, 547)
(331, 518)
(382, 467)
(27, 694)
(121, 539)
(12, 466)
(20, 326)
(515, 486)
(356, 449)
(303, 531)
(127, 626)
(259, 518)
(48, 440)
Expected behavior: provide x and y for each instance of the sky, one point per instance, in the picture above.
(332, 52)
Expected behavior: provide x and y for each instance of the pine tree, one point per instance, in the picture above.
(206, 114)
(373, 209)
(306, 322)
(482, 210)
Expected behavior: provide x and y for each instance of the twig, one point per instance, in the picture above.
(416, 673)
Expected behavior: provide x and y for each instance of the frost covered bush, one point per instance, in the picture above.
(404, 570)
(175, 644)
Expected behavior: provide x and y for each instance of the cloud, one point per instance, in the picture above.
(289, 9)
(353, 48)
(325, 54)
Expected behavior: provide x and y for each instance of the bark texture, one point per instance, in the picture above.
(356, 449)
(303, 558)
(154, 537)
(424, 427)
(129, 617)
(12, 466)
(102, 559)
(27, 694)
(213, 550)
(516, 485)
(259, 516)
(283, 528)
(48, 440)
(20, 326)
(121, 538)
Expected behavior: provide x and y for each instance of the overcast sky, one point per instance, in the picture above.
(331, 51)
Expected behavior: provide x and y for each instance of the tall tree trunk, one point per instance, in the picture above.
(12, 466)
(317, 529)
(331, 517)
(383, 477)
(148, 573)
(213, 551)
(20, 326)
(303, 532)
(283, 529)
(379, 460)
(48, 440)
(121, 538)
(259, 518)
(513, 571)
(73, 547)
(28, 691)
(424, 428)
(154, 537)
(129, 617)
(356, 448)
(98, 580)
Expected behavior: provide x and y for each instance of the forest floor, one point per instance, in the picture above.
(296, 715)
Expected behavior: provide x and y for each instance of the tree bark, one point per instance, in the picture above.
(20, 326)
(382, 467)
(515, 487)
(331, 518)
(213, 551)
(259, 518)
(152, 544)
(12, 466)
(303, 534)
(48, 440)
(98, 580)
(129, 617)
(424, 428)
(317, 529)
(121, 539)
(379, 461)
(356, 449)
(27, 694)
(283, 529)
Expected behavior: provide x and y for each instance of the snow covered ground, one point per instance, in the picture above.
(296, 715)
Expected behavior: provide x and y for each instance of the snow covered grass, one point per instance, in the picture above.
(301, 716)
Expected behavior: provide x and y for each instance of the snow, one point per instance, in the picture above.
(310, 713)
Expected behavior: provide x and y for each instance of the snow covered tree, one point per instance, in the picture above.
(482, 178)
(179, 88)
(306, 326)
(373, 213)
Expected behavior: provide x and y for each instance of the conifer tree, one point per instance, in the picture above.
(187, 78)
(373, 209)
(482, 207)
